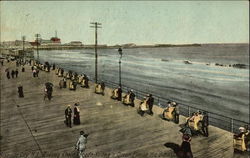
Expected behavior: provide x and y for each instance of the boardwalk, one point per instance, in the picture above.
(31, 126)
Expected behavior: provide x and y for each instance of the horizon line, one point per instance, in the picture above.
(1, 41)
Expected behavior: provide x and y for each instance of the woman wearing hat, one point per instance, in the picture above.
(186, 147)
(150, 104)
(76, 119)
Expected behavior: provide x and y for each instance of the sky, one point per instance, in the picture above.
(140, 22)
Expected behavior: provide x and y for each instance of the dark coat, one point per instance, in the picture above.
(16, 73)
(102, 86)
(76, 119)
(132, 96)
(8, 74)
(186, 148)
(13, 73)
(119, 93)
(68, 112)
(205, 121)
(20, 91)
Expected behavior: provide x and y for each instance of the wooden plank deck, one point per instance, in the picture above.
(31, 125)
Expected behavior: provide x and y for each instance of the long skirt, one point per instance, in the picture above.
(76, 120)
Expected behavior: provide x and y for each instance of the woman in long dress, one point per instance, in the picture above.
(76, 119)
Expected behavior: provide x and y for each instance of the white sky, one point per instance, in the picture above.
(137, 22)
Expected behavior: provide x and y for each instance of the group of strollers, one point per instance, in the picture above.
(196, 124)
(73, 79)
(44, 67)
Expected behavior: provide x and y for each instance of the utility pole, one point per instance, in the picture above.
(37, 52)
(120, 78)
(23, 39)
(95, 25)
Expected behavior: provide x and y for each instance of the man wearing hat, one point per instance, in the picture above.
(81, 143)
(68, 113)
(176, 112)
(205, 124)
(20, 90)
(64, 82)
(53, 66)
(74, 84)
(119, 92)
(13, 72)
(86, 81)
(16, 73)
(150, 104)
(102, 87)
(132, 97)
(49, 91)
(7, 73)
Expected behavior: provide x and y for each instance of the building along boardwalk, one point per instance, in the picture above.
(31, 125)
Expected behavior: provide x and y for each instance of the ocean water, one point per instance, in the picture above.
(162, 72)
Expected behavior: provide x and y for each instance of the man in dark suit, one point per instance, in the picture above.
(68, 114)
(150, 104)
(205, 124)
(132, 97)
(49, 91)
(119, 94)
(20, 91)
(102, 87)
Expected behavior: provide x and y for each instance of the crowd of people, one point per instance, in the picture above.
(197, 123)
(171, 112)
(35, 67)
(73, 79)
(13, 73)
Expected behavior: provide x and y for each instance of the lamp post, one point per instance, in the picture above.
(37, 52)
(120, 52)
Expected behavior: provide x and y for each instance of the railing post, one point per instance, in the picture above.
(188, 111)
(232, 125)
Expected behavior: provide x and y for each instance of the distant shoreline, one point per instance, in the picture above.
(128, 46)
(125, 46)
